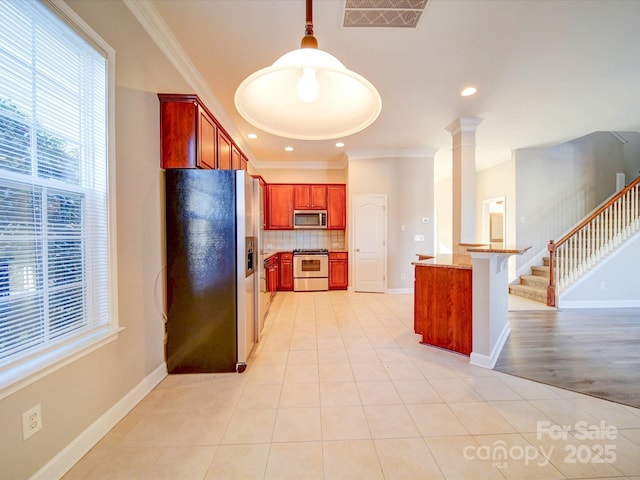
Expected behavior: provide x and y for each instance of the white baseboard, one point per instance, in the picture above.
(562, 304)
(484, 361)
(395, 291)
(72, 453)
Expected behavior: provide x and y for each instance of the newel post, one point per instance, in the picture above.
(551, 288)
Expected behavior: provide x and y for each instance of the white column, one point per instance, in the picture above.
(490, 300)
(490, 311)
(463, 133)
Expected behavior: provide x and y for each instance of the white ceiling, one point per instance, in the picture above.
(546, 71)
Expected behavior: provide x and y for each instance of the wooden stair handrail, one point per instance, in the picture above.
(597, 212)
(553, 245)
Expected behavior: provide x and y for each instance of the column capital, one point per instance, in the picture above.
(463, 124)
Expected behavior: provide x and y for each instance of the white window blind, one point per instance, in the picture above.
(54, 203)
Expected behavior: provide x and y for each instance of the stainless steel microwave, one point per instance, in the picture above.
(310, 219)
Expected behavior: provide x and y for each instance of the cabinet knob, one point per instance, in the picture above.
(357, 249)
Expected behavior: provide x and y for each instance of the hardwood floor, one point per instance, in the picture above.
(596, 352)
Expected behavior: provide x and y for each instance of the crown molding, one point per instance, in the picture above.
(463, 124)
(153, 23)
(391, 153)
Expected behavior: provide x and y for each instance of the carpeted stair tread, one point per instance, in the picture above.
(532, 293)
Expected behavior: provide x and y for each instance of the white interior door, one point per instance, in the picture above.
(370, 250)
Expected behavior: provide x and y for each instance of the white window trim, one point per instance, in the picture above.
(25, 371)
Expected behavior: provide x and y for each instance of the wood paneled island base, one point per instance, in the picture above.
(443, 302)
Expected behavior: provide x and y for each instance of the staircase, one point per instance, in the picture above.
(588, 243)
(534, 286)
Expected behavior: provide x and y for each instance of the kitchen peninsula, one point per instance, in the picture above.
(461, 301)
(442, 301)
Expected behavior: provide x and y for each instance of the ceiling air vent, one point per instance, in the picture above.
(383, 13)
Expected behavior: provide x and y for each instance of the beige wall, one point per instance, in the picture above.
(75, 396)
(301, 175)
(443, 203)
(494, 182)
(408, 184)
(556, 187)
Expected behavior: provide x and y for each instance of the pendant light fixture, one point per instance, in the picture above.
(307, 94)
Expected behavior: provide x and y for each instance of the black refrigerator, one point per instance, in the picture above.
(211, 246)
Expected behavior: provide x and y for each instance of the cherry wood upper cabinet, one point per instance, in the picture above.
(206, 143)
(336, 207)
(224, 151)
(301, 197)
(318, 194)
(310, 197)
(187, 133)
(279, 207)
(191, 137)
(236, 159)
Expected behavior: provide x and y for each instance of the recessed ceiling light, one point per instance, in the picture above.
(339, 144)
(288, 149)
(468, 91)
(252, 136)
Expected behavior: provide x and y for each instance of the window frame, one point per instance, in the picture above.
(24, 370)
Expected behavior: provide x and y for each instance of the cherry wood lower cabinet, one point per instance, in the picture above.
(442, 309)
(286, 271)
(338, 271)
(271, 271)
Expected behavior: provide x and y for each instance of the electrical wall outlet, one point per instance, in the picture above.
(31, 421)
(403, 276)
(418, 238)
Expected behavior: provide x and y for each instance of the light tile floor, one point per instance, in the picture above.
(340, 388)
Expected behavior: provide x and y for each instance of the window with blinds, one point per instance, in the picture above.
(54, 195)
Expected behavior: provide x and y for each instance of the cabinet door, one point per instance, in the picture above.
(224, 152)
(206, 142)
(286, 271)
(338, 271)
(318, 194)
(236, 160)
(336, 207)
(243, 163)
(272, 276)
(301, 197)
(178, 133)
(280, 207)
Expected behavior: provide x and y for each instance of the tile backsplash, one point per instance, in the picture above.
(286, 240)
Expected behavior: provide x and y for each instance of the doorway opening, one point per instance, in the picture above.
(493, 221)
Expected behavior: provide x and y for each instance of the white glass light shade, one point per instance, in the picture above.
(345, 104)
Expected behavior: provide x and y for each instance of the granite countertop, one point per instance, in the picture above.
(445, 261)
(268, 254)
(489, 248)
